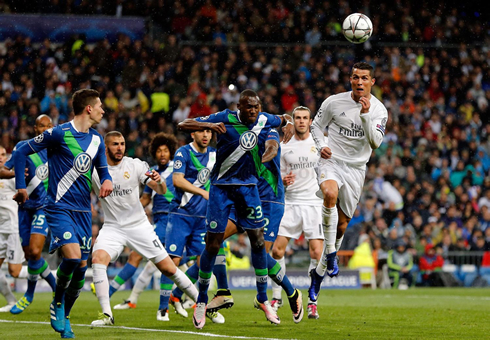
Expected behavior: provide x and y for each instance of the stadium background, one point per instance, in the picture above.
(157, 62)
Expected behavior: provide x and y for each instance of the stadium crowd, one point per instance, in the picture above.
(429, 182)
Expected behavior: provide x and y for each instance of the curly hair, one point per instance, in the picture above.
(163, 139)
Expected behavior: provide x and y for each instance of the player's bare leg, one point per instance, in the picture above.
(36, 266)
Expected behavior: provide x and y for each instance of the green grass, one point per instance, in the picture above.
(344, 314)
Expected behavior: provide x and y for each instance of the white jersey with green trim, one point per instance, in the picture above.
(123, 207)
(351, 136)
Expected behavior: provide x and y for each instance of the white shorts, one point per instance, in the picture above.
(11, 249)
(302, 218)
(350, 181)
(140, 238)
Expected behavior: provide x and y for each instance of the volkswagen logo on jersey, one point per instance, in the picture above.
(203, 175)
(42, 172)
(248, 140)
(82, 163)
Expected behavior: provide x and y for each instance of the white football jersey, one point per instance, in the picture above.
(9, 220)
(123, 206)
(300, 158)
(351, 136)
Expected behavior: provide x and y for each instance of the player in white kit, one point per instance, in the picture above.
(126, 224)
(303, 210)
(10, 246)
(356, 122)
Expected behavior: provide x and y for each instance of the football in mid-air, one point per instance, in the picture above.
(357, 28)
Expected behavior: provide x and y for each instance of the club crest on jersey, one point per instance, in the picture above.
(39, 138)
(248, 140)
(42, 172)
(313, 149)
(83, 163)
(203, 175)
(126, 175)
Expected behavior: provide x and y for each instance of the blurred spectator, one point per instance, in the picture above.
(430, 263)
(400, 263)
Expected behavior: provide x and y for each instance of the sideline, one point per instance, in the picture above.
(149, 330)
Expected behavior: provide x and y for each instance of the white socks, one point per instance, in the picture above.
(330, 219)
(101, 283)
(276, 289)
(142, 282)
(23, 274)
(338, 243)
(5, 289)
(185, 284)
(313, 264)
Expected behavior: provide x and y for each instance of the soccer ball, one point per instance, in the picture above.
(357, 28)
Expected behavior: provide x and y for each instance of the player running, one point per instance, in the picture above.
(356, 122)
(162, 149)
(186, 223)
(74, 149)
(126, 224)
(271, 191)
(234, 182)
(303, 208)
(33, 228)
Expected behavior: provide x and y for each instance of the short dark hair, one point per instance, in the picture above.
(82, 98)
(248, 93)
(163, 139)
(302, 108)
(111, 134)
(363, 66)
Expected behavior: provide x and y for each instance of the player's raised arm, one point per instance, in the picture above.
(288, 127)
(374, 128)
(190, 125)
(156, 183)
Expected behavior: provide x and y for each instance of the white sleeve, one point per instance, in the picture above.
(141, 169)
(374, 126)
(321, 121)
(283, 162)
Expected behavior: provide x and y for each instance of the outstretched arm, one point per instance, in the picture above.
(156, 182)
(190, 125)
(288, 127)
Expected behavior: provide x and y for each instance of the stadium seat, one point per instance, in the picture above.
(467, 269)
(367, 276)
(484, 270)
(450, 268)
(486, 277)
(467, 274)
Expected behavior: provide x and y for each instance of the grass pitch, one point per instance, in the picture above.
(344, 314)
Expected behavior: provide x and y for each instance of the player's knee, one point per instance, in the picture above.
(14, 271)
(100, 258)
(277, 252)
(34, 252)
(257, 244)
(213, 247)
(134, 259)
